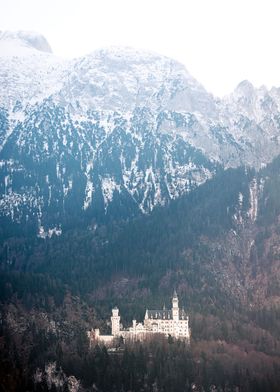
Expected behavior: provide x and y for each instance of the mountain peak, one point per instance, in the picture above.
(118, 52)
(30, 39)
(121, 57)
(245, 88)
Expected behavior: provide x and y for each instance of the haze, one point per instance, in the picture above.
(220, 42)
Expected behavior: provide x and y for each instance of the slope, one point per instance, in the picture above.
(114, 134)
(219, 246)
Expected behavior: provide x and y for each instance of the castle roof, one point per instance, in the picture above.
(164, 314)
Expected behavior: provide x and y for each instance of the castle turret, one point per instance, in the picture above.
(134, 326)
(175, 307)
(115, 322)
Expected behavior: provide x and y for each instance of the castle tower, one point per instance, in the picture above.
(115, 321)
(175, 307)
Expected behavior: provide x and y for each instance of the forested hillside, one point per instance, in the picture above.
(218, 246)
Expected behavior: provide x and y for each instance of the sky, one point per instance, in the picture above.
(221, 42)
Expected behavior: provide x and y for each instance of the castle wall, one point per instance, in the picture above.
(174, 328)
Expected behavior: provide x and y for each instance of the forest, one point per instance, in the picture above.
(53, 291)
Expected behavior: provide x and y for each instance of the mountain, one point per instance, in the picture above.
(122, 178)
(218, 245)
(114, 134)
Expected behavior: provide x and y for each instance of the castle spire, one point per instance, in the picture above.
(175, 307)
(115, 321)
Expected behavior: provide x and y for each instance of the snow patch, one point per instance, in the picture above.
(240, 199)
(43, 233)
(253, 189)
(88, 194)
(109, 186)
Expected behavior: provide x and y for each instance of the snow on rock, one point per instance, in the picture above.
(253, 211)
(117, 120)
(238, 215)
(240, 199)
(88, 194)
(109, 186)
(26, 38)
(29, 72)
(122, 78)
(43, 233)
(89, 186)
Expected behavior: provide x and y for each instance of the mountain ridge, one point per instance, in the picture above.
(29, 38)
(119, 126)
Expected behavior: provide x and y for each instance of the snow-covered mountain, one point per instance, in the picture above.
(115, 133)
(29, 71)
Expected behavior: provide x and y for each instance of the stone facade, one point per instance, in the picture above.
(169, 322)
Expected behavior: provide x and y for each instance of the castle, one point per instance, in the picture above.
(173, 322)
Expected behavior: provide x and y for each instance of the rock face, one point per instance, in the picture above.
(27, 38)
(115, 133)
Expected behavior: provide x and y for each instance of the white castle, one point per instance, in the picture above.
(173, 322)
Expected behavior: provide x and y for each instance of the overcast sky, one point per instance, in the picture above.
(221, 42)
